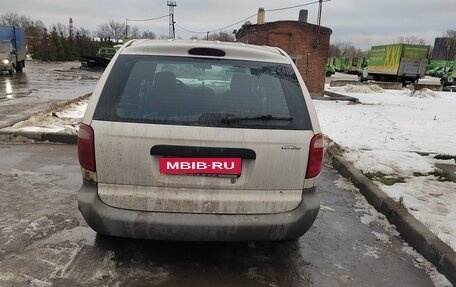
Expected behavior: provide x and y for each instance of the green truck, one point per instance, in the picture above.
(449, 78)
(404, 63)
(355, 65)
(102, 59)
(329, 68)
(439, 68)
(337, 63)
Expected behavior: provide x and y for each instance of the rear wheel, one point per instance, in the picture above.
(19, 67)
(12, 70)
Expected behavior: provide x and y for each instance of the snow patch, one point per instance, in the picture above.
(368, 213)
(362, 89)
(399, 133)
(390, 162)
(420, 262)
(326, 208)
(424, 93)
(371, 251)
(382, 237)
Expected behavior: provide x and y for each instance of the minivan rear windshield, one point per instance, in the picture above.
(203, 92)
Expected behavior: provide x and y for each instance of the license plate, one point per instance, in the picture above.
(201, 166)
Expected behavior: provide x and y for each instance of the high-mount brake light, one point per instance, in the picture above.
(207, 52)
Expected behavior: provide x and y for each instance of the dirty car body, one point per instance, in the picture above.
(200, 141)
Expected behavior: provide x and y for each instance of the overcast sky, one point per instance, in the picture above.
(362, 22)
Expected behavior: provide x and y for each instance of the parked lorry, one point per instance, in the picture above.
(355, 65)
(329, 68)
(340, 64)
(404, 63)
(102, 59)
(449, 78)
(12, 49)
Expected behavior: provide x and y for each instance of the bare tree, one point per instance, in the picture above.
(112, 30)
(334, 51)
(411, 40)
(35, 29)
(445, 46)
(450, 44)
(133, 32)
(61, 29)
(82, 32)
(222, 36)
(148, 35)
(14, 19)
(345, 49)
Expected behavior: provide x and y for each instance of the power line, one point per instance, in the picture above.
(226, 27)
(251, 16)
(211, 31)
(190, 31)
(140, 20)
(151, 19)
(296, 6)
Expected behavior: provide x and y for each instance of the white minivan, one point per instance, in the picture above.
(200, 141)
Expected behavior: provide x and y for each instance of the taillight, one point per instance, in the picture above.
(315, 156)
(86, 147)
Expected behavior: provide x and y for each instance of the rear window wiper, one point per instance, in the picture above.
(230, 118)
(224, 118)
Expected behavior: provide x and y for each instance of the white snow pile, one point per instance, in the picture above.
(424, 93)
(363, 89)
(58, 118)
(398, 134)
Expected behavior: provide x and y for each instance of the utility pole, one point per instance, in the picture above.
(126, 28)
(172, 31)
(320, 7)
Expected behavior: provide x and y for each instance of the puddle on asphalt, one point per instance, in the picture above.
(48, 81)
(10, 97)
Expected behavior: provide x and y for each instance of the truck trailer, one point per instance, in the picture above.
(404, 63)
(356, 65)
(12, 49)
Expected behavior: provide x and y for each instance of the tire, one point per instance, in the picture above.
(12, 70)
(19, 67)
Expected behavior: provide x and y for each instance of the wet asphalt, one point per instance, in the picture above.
(45, 242)
(41, 84)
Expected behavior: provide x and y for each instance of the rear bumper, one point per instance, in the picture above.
(109, 220)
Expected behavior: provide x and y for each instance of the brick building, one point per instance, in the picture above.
(307, 44)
